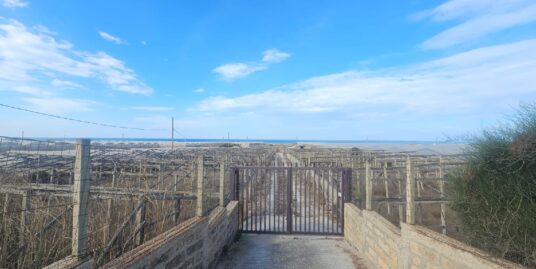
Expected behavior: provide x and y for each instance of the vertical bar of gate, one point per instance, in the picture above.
(306, 206)
(323, 195)
(289, 200)
(314, 199)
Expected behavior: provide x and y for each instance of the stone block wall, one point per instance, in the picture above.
(377, 239)
(195, 243)
(411, 246)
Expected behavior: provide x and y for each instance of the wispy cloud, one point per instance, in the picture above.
(456, 84)
(153, 108)
(14, 3)
(57, 105)
(274, 56)
(232, 71)
(28, 56)
(111, 38)
(479, 18)
(65, 84)
(199, 90)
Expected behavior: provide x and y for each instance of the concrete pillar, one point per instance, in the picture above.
(200, 209)
(82, 177)
(222, 183)
(410, 193)
(368, 186)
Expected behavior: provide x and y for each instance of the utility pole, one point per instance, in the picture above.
(172, 133)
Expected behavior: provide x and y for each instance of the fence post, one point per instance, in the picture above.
(140, 222)
(222, 183)
(82, 177)
(368, 187)
(236, 184)
(442, 190)
(200, 209)
(176, 216)
(410, 193)
(386, 183)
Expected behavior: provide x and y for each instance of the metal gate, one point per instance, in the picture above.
(298, 200)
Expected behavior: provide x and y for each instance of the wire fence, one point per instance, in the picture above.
(387, 174)
(135, 192)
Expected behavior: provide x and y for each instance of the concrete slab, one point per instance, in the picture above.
(288, 251)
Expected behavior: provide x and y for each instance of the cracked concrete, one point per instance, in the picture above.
(290, 251)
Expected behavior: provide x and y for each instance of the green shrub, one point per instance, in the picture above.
(495, 193)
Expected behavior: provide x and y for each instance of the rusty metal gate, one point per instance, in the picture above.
(298, 200)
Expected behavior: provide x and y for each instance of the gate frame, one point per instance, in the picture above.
(346, 192)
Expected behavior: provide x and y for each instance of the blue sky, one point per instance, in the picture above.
(386, 70)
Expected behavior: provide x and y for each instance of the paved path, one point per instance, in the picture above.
(287, 251)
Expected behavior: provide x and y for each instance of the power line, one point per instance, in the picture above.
(80, 121)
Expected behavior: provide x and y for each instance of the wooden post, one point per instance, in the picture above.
(177, 203)
(386, 187)
(200, 209)
(368, 187)
(442, 190)
(222, 183)
(82, 177)
(140, 222)
(51, 180)
(25, 207)
(3, 251)
(110, 204)
(400, 206)
(23, 225)
(160, 178)
(410, 193)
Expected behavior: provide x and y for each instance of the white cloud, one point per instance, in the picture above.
(233, 71)
(199, 90)
(111, 38)
(452, 85)
(274, 56)
(65, 84)
(143, 42)
(479, 18)
(14, 3)
(25, 56)
(57, 105)
(153, 108)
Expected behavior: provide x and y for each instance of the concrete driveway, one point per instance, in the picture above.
(289, 251)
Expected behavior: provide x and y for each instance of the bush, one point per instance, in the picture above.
(495, 193)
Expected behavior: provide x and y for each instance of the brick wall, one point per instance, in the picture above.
(411, 246)
(195, 243)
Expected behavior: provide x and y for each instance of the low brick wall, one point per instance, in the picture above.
(195, 243)
(411, 246)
